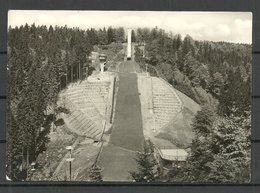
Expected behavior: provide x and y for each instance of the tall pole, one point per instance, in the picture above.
(70, 159)
(66, 76)
(79, 71)
(53, 116)
(70, 170)
(71, 73)
(70, 162)
(27, 170)
(144, 50)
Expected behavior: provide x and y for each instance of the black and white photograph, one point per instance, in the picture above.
(129, 96)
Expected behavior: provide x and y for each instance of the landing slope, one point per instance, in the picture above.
(117, 158)
(179, 130)
(127, 128)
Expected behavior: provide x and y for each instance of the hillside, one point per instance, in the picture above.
(217, 76)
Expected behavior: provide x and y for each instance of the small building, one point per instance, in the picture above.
(96, 60)
(171, 157)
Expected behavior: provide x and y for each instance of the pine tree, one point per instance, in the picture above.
(95, 174)
(203, 121)
(230, 143)
(133, 36)
(146, 165)
(110, 35)
(120, 34)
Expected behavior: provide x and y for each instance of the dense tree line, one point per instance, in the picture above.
(217, 75)
(106, 36)
(220, 151)
(40, 60)
(202, 70)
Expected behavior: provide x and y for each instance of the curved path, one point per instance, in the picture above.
(117, 159)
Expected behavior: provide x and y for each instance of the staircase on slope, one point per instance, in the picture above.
(79, 123)
(97, 92)
(166, 103)
(87, 104)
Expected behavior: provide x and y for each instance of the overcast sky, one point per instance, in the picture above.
(214, 26)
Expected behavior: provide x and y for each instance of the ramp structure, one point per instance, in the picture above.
(129, 46)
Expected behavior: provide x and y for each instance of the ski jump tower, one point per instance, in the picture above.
(129, 47)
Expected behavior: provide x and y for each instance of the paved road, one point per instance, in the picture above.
(117, 158)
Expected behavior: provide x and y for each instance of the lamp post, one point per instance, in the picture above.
(33, 164)
(70, 159)
(30, 172)
(144, 50)
(146, 69)
(176, 161)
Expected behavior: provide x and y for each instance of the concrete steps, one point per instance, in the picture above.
(166, 103)
(98, 93)
(81, 125)
(87, 103)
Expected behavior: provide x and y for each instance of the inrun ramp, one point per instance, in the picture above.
(117, 159)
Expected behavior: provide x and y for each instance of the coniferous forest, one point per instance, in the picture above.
(39, 59)
(216, 75)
